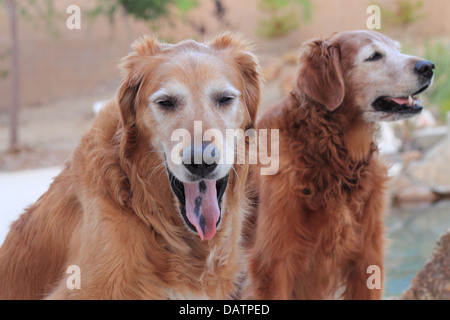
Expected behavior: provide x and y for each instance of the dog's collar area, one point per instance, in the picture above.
(199, 226)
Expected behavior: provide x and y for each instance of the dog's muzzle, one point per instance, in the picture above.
(200, 198)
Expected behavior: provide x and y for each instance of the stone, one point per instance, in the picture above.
(415, 193)
(433, 169)
(433, 281)
(428, 137)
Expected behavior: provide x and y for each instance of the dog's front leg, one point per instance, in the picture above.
(274, 260)
(366, 280)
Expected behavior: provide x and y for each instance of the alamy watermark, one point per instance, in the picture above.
(74, 280)
(74, 20)
(263, 148)
(374, 280)
(374, 21)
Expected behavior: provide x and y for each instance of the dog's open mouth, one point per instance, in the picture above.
(200, 203)
(408, 105)
(404, 105)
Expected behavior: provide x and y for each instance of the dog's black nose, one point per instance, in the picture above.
(425, 68)
(203, 160)
(201, 170)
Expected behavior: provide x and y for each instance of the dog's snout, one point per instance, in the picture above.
(424, 68)
(202, 161)
(201, 170)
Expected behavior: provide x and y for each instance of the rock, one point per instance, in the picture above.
(433, 281)
(425, 120)
(415, 193)
(429, 137)
(402, 188)
(433, 170)
(409, 156)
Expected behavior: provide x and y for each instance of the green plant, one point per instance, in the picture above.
(40, 13)
(439, 93)
(4, 73)
(146, 10)
(282, 16)
(404, 12)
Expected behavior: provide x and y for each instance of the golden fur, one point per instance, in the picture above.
(319, 224)
(112, 212)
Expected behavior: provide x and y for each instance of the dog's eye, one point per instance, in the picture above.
(375, 56)
(225, 100)
(167, 104)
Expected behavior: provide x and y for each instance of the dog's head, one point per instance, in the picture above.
(367, 68)
(181, 99)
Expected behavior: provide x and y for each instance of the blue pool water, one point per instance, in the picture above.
(412, 233)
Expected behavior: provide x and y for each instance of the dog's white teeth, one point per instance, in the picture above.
(417, 101)
(412, 101)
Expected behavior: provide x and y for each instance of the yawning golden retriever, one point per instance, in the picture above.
(131, 215)
(319, 227)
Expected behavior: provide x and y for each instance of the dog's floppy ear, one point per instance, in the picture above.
(320, 74)
(241, 51)
(133, 67)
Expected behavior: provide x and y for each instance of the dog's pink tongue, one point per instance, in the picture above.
(202, 208)
(400, 101)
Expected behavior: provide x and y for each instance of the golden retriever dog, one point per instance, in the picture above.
(126, 216)
(319, 227)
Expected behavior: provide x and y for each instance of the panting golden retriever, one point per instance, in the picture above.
(319, 227)
(125, 215)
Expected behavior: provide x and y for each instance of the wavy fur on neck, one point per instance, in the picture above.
(330, 159)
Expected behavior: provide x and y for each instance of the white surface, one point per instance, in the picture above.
(98, 105)
(20, 189)
(388, 143)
